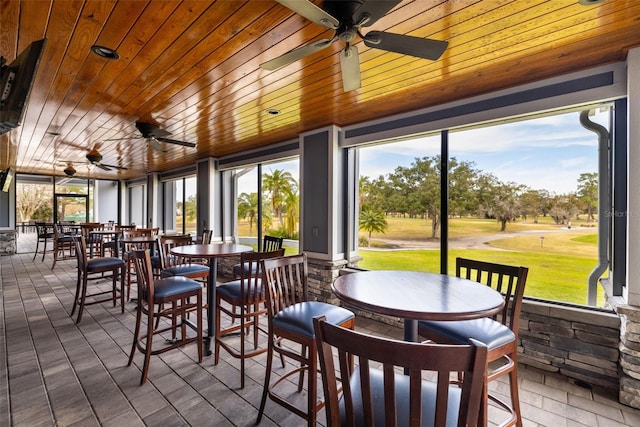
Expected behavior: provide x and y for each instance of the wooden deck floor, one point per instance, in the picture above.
(56, 373)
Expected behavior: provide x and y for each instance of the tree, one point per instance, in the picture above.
(588, 193)
(278, 184)
(248, 208)
(372, 221)
(32, 198)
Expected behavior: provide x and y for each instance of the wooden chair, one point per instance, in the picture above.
(247, 295)
(111, 244)
(177, 266)
(45, 234)
(87, 269)
(377, 393)
(269, 244)
(499, 333)
(206, 237)
(128, 248)
(153, 295)
(290, 319)
(61, 242)
(93, 241)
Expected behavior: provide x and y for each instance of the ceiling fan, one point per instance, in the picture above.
(347, 18)
(154, 136)
(95, 158)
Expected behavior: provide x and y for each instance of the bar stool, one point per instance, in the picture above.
(86, 270)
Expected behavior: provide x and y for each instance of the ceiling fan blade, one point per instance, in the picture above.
(101, 166)
(311, 12)
(350, 67)
(115, 167)
(295, 55)
(173, 141)
(121, 139)
(408, 45)
(155, 145)
(372, 10)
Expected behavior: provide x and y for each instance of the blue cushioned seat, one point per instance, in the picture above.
(102, 263)
(233, 290)
(169, 286)
(298, 318)
(493, 334)
(184, 270)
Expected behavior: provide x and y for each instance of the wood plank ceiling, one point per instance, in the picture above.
(192, 67)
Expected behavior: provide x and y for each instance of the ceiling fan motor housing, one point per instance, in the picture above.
(94, 157)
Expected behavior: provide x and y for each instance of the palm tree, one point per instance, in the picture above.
(278, 184)
(248, 208)
(292, 206)
(372, 220)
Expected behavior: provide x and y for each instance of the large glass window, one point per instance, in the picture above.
(268, 201)
(180, 205)
(34, 200)
(522, 193)
(137, 205)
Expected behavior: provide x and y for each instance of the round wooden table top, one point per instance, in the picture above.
(417, 295)
(213, 250)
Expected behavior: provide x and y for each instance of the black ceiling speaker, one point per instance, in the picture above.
(347, 19)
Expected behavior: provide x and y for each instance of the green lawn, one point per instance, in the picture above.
(559, 264)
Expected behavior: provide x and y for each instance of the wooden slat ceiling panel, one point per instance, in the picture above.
(192, 68)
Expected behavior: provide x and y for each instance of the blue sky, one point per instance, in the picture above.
(543, 153)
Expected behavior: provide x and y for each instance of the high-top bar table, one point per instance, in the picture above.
(414, 296)
(212, 252)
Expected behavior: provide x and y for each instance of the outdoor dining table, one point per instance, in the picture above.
(415, 296)
(212, 252)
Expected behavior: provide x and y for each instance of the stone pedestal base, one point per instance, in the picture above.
(8, 240)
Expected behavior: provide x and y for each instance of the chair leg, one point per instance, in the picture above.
(44, 248)
(122, 290)
(218, 334)
(77, 295)
(83, 294)
(267, 379)
(55, 255)
(149, 344)
(515, 398)
(312, 393)
(114, 281)
(136, 332)
(242, 347)
(37, 246)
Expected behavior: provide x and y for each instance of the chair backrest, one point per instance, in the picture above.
(87, 227)
(42, 228)
(286, 282)
(141, 259)
(252, 275)
(271, 243)
(507, 279)
(136, 232)
(81, 252)
(169, 242)
(206, 236)
(400, 399)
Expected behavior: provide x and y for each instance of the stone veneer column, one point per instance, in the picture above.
(629, 355)
(322, 273)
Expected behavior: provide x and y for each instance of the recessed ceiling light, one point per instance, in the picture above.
(105, 52)
(273, 111)
(589, 2)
